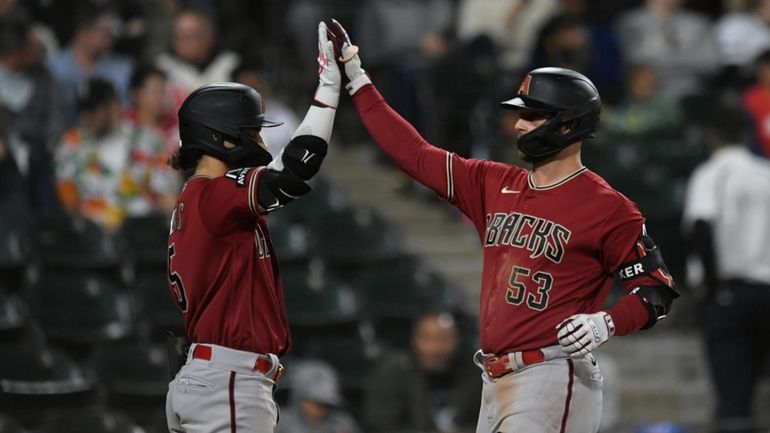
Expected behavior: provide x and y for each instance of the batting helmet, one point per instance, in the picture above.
(568, 98)
(218, 112)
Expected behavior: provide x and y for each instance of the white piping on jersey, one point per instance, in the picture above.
(555, 184)
(450, 181)
(251, 192)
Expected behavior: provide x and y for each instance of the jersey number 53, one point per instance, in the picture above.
(537, 299)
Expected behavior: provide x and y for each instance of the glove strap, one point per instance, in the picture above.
(355, 84)
(610, 324)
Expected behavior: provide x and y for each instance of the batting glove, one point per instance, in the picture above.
(329, 77)
(355, 74)
(580, 334)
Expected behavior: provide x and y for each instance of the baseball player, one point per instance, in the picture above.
(554, 238)
(222, 269)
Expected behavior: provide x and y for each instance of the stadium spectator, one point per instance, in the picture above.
(725, 217)
(569, 40)
(405, 38)
(756, 100)
(512, 24)
(89, 55)
(644, 109)
(150, 185)
(741, 36)
(252, 75)
(315, 404)
(30, 99)
(678, 43)
(195, 59)
(92, 156)
(13, 201)
(429, 389)
(106, 168)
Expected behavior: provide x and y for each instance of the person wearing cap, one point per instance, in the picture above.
(223, 271)
(554, 239)
(315, 405)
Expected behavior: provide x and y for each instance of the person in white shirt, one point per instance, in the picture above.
(195, 59)
(727, 219)
(741, 36)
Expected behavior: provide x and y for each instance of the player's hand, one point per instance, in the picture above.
(347, 55)
(580, 334)
(329, 76)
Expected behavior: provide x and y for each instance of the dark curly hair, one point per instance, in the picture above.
(185, 160)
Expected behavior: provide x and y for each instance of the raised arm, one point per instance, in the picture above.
(285, 177)
(458, 180)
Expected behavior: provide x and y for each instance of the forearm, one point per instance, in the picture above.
(629, 314)
(318, 122)
(400, 141)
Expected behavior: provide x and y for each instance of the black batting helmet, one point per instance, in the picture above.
(568, 98)
(218, 112)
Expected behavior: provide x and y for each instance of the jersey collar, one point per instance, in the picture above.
(555, 184)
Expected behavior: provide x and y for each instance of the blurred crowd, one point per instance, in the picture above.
(89, 91)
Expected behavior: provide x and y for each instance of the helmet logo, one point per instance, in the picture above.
(524, 88)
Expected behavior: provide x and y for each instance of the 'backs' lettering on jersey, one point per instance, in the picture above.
(549, 252)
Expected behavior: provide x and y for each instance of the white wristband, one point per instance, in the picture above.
(355, 84)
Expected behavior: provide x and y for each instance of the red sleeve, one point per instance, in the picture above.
(229, 200)
(456, 179)
(620, 233)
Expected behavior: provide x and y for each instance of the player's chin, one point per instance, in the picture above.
(523, 156)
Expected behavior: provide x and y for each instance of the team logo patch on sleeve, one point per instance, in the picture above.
(238, 175)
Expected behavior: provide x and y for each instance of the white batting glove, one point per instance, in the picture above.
(353, 70)
(329, 77)
(580, 334)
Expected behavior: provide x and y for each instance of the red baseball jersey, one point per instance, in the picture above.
(549, 252)
(223, 272)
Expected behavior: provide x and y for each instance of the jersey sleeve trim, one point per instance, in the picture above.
(450, 185)
(252, 191)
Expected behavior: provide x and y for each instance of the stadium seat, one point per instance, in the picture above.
(79, 309)
(352, 357)
(322, 200)
(132, 368)
(154, 301)
(144, 239)
(9, 425)
(354, 236)
(29, 367)
(95, 420)
(289, 238)
(13, 312)
(313, 297)
(15, 250)
(64, 242)
(403, 289)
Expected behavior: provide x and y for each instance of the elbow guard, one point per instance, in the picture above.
(304, 155)
(277, 188)
(649, 263)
